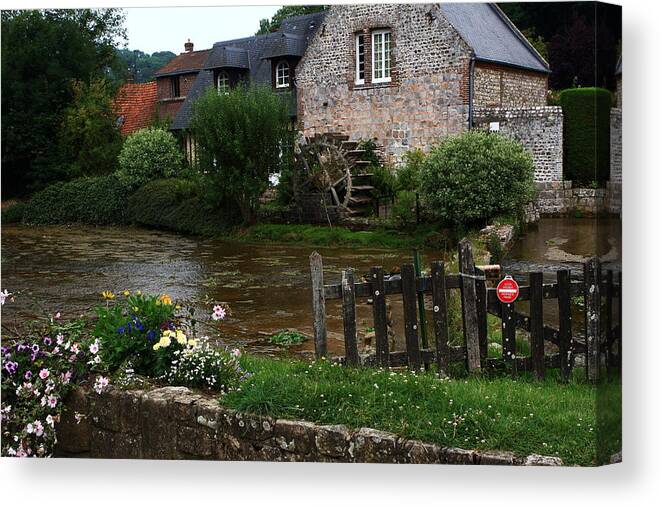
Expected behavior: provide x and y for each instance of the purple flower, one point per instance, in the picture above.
(48, 341)
(20, 347)
(28, 375)
(35, 348)
(11, 367)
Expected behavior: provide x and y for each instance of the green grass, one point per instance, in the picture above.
(319, 235)
(496, 413)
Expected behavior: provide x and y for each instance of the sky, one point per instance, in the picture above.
(154, 29)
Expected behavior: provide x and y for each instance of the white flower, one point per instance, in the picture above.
(94, 347)
(4, 295)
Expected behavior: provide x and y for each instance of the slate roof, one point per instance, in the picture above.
(184, 63)
(135, 106)
(249, 53)
(287, 44)
(492, 36)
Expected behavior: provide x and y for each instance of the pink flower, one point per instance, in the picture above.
(52, 401)
(39, 428)
(4, 295)
(100, 384)
(50, 420)
(94, 348)
(43, 374)
(219, 312)
(236, 352)
(58, 315)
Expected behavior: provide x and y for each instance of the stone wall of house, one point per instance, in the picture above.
(175, 423)
(539, 129)
(558, 198)
(168, 106)
(501, 86)
(614, 185)
(427, 98)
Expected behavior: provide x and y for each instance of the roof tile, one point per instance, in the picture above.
(135, 105)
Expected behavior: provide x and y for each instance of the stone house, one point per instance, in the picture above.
(404, 75)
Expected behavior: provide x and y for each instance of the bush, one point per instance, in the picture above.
(408, 176)
(242, 137)
(586, 134)
(13, 213)
(178, 205)
(93, 201)
(474, 176)
(149, 154)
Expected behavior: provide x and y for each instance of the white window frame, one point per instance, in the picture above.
(286, 78)
(223, 76)
(383, 59)
(358, 78)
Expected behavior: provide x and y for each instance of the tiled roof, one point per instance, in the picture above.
(248, 53)
(287, 44)
(492, 36)
(184, 63)
(135, 106)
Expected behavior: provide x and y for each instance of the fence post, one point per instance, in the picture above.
(469, 306)
(410, 317)
(481, 304)
(440, 309)
(609, 320)
(592, 279)
(565, 318)
(537, 324)
(349, 317)
(507, 312)
(318, 304)
(380, 317)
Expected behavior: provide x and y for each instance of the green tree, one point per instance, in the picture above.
(89, 136)
(270, 25)
(242, 137)
(142, 66)
(42, 52)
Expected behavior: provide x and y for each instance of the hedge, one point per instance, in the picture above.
(91, 200)
(13, 213)
(178, 205)
(586, 134)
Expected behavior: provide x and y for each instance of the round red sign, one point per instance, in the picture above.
(507, 290)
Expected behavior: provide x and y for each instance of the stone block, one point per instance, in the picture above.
(417, 452)
(116, 410)
(72, 437)
(541, 460)
(495, 458)
(158, 431)
(295, 436)
(197, 442)
(372, 445)
(332, 440)
(458, 456)
(115, 445)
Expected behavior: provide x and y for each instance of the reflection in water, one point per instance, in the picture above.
(266, 286)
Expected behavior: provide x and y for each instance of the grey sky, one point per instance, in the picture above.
(153, 29)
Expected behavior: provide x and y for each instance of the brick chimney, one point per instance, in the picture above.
(188, 46)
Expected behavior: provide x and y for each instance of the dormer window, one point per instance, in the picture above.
(282, 75)
(223, 83)
(381, 54)
(360, 58)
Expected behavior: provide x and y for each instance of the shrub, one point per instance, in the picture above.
(370, 155)
(178, 205)
(495, 248)
(408, 176)
(93, 201)
(287, 338)
(403, 211)
(474, 176)
(13, 213)
(242, 137)
(149, 154)
(586, 134)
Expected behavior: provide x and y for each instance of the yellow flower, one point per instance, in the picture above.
(126, 293)
(136, 309)
(107, 295)
(138, 293)
(192, 343)
(177, 306)
(157, 346)
(181, 337)
(164, 342)
(165, 299)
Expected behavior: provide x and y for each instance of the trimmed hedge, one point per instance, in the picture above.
(469, 178)
(586, 134)
(177, 205)
(91, 200)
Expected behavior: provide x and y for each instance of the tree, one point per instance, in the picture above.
(142, 66)
(267, 26)
(89, 136)
(242, 137)
(42, 52)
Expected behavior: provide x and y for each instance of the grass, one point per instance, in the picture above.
(287, 338)
(496, 413)
(319, 235)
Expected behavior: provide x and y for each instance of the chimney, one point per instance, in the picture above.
(188, 46)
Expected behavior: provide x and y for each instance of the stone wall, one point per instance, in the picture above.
(168, 106)
(614, 185)
(501, 86)
(427, 98)
(175, 423)
(558, 198)
(539, 129)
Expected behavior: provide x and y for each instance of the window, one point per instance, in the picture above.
(223, 83)
(282, 75)
(176, 91)
(381, 49)
(360, 59)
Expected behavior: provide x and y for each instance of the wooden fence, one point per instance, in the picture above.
(601, 331)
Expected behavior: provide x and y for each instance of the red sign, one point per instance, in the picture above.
(507, 290)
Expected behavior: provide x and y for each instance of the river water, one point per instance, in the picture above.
(266, 286)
